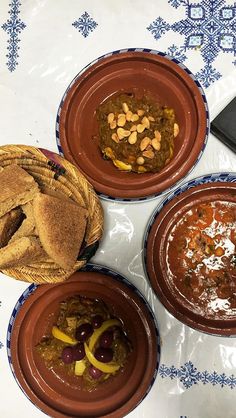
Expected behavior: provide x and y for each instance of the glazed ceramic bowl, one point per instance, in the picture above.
(210, 314)
(137, 72)
(59, 395)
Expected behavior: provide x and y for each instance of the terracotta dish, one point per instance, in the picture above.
(202, 295)
(60, 395)
(138, 72)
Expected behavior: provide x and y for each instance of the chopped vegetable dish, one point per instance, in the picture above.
(202, 257)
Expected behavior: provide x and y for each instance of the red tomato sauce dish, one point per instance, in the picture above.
(190, 256)
(201, 256)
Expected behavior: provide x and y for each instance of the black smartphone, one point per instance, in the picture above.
(224, 125)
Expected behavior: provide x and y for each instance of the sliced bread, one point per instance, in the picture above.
(17, 187)
(61, 227)
(9, 224)
(27, 228)
(20, 252)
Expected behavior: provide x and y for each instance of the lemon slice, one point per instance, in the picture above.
(80, 367)
(60, 335)
(99, 331)
(104, 367)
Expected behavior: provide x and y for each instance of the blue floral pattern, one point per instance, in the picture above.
(13, 27)
(85, 24)
(189, 375)
(209, 27)
(177, 52)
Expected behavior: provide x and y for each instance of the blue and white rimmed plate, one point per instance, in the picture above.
(132, 71)
(192, 293)
(32, 318)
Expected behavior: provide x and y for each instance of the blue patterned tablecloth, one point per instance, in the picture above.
(43, 45)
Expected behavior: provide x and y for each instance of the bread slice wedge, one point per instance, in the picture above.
(61, 227)
(9, 224)
(17, 187)
(21, 252)
(27, 228)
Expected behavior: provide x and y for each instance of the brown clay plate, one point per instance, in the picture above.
(61, 396)
(132, 71)
(204, 311)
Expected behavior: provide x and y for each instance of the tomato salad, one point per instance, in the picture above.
(201, 255)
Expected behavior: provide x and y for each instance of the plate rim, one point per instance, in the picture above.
(97, 268)
(217, 177)
(153, 52)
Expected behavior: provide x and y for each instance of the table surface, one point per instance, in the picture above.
(43, 45)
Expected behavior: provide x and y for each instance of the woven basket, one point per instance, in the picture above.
(57, 176)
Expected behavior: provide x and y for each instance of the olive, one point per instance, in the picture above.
(83, 332)
(104, 354)
(94, 372)
(97, 321)
(106, 339)
(78, 352)
(67, 355)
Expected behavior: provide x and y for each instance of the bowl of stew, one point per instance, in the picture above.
(190, 255)
(135, 122)
(80, 348)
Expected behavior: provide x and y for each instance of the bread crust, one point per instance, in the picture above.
(21, 252)
(28, 227)
(9, 224)
(61, 227)
(17, 187)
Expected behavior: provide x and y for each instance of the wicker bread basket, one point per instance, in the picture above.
(56, 176)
